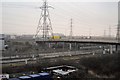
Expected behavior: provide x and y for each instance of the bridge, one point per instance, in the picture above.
(111, 41)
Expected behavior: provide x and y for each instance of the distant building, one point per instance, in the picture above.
(1, 42)
(27, 36)
(13, 37)
(7, 36)
(58, 35)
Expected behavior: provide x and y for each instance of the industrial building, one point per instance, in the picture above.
(1, 42)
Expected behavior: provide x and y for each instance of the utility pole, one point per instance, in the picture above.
(104, 33)
(71, 26)
(109, 31)
(44, 25)
(118, 33)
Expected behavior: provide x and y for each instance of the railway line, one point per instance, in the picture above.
(15, 59)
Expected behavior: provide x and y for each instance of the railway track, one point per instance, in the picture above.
(15, 59)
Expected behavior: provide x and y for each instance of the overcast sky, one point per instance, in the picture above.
(88, 17)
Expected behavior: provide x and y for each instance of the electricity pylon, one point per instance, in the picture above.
(44, 26)
(118, 27)
(118, 33)
(71, 26)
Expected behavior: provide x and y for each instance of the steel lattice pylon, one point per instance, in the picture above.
(118, 28)
(44, 25)
(118, 33)
(71, 30)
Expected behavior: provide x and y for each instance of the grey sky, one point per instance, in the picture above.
(88, 17)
